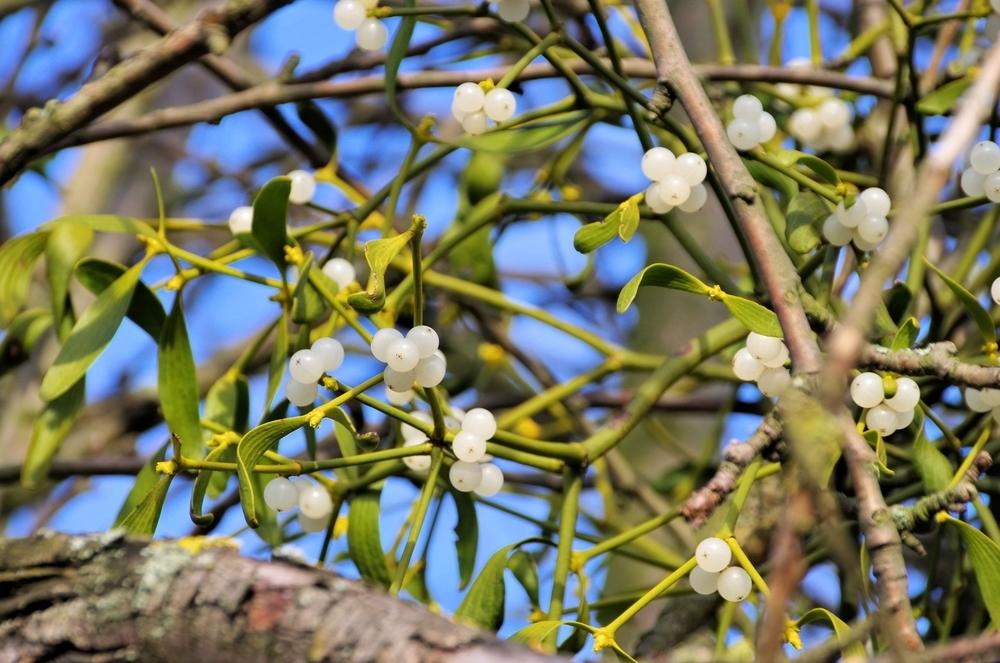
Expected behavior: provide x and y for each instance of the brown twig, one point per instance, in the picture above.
(936, 359)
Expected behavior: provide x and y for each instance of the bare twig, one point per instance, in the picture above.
(936, 359)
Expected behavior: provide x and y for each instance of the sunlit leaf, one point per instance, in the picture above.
(753, 316)
(48, 431)
(943, 99)
(804, 218)
(972, 306)
(145, 308)
(143, 518)
(984, 555)
(663, 276)
(17, 260)
(250, 450)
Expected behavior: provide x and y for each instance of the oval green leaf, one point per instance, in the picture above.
(804, 218)
(250, 450)
(270, 216)
(972, 306)
(753, 316)
(364, 538)
(143, 519)
(593, 236)
(984, 555)
(178, 382)
(942, 100)
(663, 276)
(50, 428)
(17, 261)
(466, 536)
(145, 309)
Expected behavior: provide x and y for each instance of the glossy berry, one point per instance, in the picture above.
(411, 433)
(403, 355)
(766, 127)
(985, 157)
(867, 390)
(330, 352)
(381, 341)
(420, 463)
(303, 187)
(779, 360)
(876, 201)
(991, 187)
(995, 291)
(873, 229)
(305, 366)
(713, 554)
(773, 381)
(491, 480)
(904, 419)
(763, 347)
(480, 422)
(301, 394)
(241, 220)
(696, 200)
(674, 190)
(842, 139)
(747, 107)
(430, 371)
(475, 123)
(500, 104)
(469, 97)
(862, 243)
(735, 584)
(468, 447)
(805, 125)
(692, 168)
(513, 11)
(425, 338)
(834, 113)
(280, 494)
(976, 401)
(398, 380)
(655, 201)
(465, 477)
(371, 35)
(743, 134)
(973, 183)
(340, 271)
(907, 395)
(310, 525)
(747, 367)
(315, 502)
(836, 232)
(399, 398)
(991, 396)
(657, 163)
(881, 418)
(702, 581)
(349, 14)
(854, 215)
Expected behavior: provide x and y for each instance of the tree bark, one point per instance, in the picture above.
(110, 598)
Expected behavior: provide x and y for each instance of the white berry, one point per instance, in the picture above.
(747, 107)
(674, 190)
(469, 97)
(465, 477)
(973, 183)
(398, 380)
(805, 125)
(903, 419)
(881, 418)
(403, 355)
(310, 525)
(425, 338)
(747, 367)
(468, 447)
(301, 394)
(779, 360)
(995, 291)
(420, 463)
(430, 371)
(991, 187)
(766, 127)
(734, 584)
(773, 381)
(867, 390)
(330, 352)
(743, 134)
(702, 581)
(692, 168)
(513, 11)
(842, 140)
(876, 201)
(976, 401)
(398, 398)
(862, 243)
(475, 123)
(241, 220)
(371, 35)
(836, 232)
(696, 200)
(873, 229)
(491, 480)
(985, 157)
(657, 163)
(713, 554)
(834, 113)
(480, 422)
(763, 347)
(349, 14)
(340, 271)
(280, 494)
(907, 395)
(303, 187)
(381, 341)
(990, 396)
(315, 502)
(305, 366)
(854, 215)
(500, 104)
(655, 200)
(412, 433)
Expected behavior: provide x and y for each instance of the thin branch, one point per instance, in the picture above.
(936, 359)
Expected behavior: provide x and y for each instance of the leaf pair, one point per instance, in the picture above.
(379, 253)
(623, 221)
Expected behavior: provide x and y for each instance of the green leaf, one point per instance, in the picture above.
(875, 440)
(536, 633)
(942, 100)
(22, 334)
(398, 50)
(897, 299)
(483, 603)
(227, 402)
(142, 520)
(629, 219)
(773, 178)
(178, 383)
(90, 335)
(972, 306)
(364, 539)
(379, 253)
(268, 529)
(466, 536)
(934, 468)
(593, 236)
(804, 218)
(753, 316)
(984, 554)
(250, 450)
(145, 309)
(313, 117)
(841, 630)
(907, 334)
(50, 428)
(527, 137)
(813, 163)
(107, 223)
(17, 261)
(270, 218)
(144, 482)
(67, 243)
(202, 483)
(664, 276)
(276, 365)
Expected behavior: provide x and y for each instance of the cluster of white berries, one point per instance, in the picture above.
(711, 575)
(824, 128)
(472, 472)
(763, 361)
(513, 11)
(885, 415)
(306, 367)
(865, 223)
(303, 187)
(677, 181)
(370, 33)
(411, 359)
(751, 124)
(473, 107)
(313, 500)
(984, 400)
(982, 177)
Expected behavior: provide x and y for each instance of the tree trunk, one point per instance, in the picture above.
(111, 598)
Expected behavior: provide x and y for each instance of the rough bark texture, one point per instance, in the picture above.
(109, 598)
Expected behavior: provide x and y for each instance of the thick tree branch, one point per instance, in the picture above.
(936, 359)
(211, 31)
(108, 598)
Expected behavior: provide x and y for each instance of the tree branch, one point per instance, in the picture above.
(936, 359)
